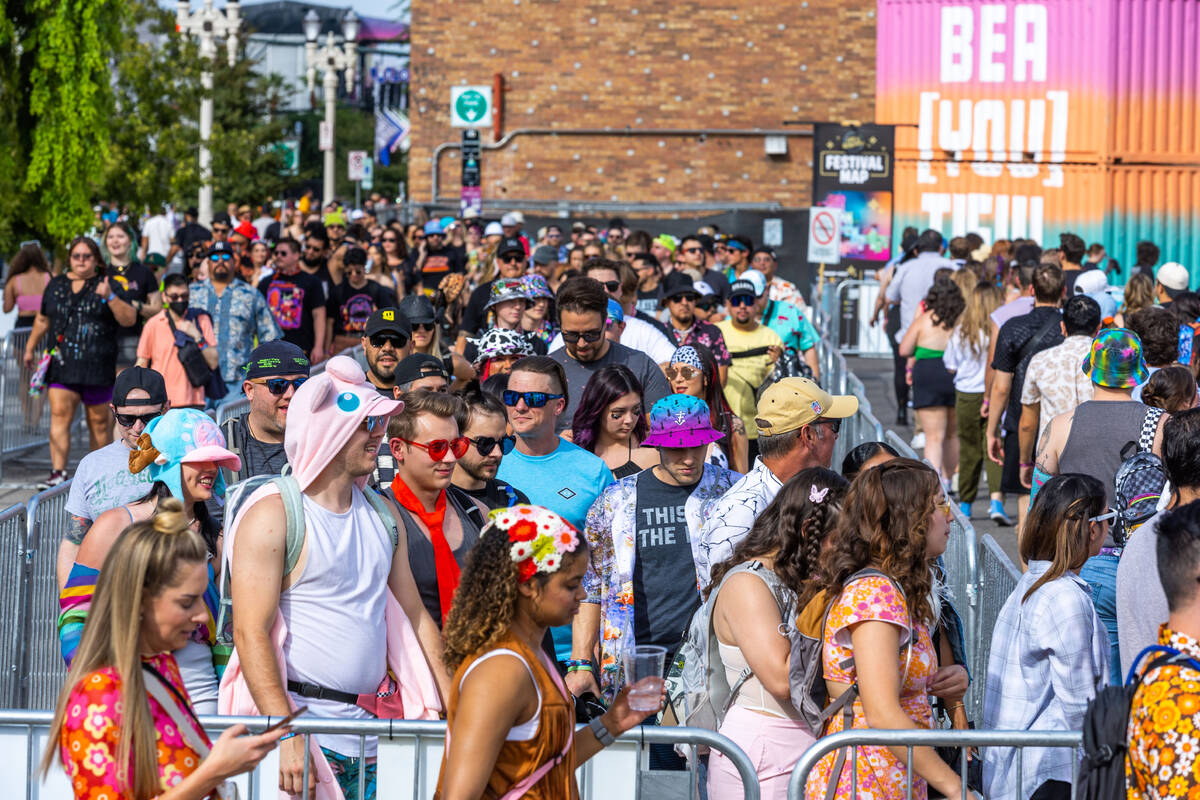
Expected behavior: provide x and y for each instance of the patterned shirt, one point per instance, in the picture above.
(242, 320)
(704, 333)
(785, 292)
(792, 326)
(732, 517)
(1164, 726)
(92, 728)
(1055, 380)
(611, 530)
(1049, 658)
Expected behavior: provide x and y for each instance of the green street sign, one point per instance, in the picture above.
(470, 106)
(289, 150)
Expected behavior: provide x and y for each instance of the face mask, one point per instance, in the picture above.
(178, 307)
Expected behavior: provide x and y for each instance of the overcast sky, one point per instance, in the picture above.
(367, 8)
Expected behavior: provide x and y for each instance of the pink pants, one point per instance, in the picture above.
(774, 744)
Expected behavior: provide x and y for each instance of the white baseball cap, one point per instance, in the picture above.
(1173, 275)
(493, 229)
(510, 219)
(1091, 281)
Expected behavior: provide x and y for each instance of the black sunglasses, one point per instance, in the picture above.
(532, 399)
(277, 386)
(511, 258)
(129, 420)
(835, 425)
(612, 286)
(707, 305)
(424, 326)
(485, 444)
(380, 339)
(571, 337)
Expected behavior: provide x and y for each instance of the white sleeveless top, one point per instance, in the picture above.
(334, 610)
(529, 728)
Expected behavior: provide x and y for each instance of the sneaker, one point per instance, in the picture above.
(965, 508)
(918, 442)
(57, 477)
(997, 515)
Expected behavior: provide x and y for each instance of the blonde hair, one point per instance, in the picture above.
(144, 561)
(975, 323)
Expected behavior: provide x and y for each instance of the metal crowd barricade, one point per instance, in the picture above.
(909, 739)
(998, 578)
(409, 761)
(850, 328)
(42, 669)
(24, 420)
(14, 529)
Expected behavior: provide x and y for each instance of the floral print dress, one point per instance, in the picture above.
(881, 776)
(92, 729)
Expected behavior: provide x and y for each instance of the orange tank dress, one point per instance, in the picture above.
(518, 760)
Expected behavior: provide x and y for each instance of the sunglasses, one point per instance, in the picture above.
(707, 305)
(612, 286)
(278, 386)
(682, 372)
(220, 257)
(485, 444)
(532, 399)
(835, 425)
(393, 239)
(129, 420)
(220, 229)
(381, 339)
(684, 298)
(571, 337)
(945, 507)
(427, 327)
(1107, 516)
(374, 422)
(510, 258)
(742, 300)
(438, 448)
(692, 250)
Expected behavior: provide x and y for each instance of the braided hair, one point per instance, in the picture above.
(792, 529)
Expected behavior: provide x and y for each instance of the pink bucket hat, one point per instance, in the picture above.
(680, 420)
(324, 414)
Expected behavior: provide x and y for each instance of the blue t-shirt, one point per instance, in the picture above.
(567, 481)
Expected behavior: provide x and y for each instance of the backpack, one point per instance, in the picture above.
(293, 507)
(1106, 729)
(1139, 481)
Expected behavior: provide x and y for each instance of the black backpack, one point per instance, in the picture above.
(1106, 729)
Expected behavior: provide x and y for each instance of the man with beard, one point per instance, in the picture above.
(240, 315)
(386, 342)
(316, 258)
(352, 302)
(482, 419)
(296, 300)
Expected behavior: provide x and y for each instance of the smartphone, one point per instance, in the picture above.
(286, 720)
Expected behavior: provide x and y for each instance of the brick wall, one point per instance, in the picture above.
(689, 64)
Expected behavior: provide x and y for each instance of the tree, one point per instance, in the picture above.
(55, 78)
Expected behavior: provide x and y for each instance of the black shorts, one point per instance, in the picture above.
(1010, 474)
(932, 384)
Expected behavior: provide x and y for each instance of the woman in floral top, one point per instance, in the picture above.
(895, 521)
(124, 727)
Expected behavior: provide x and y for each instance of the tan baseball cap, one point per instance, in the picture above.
(794, 402)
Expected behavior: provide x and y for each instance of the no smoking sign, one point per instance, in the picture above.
(824, 236)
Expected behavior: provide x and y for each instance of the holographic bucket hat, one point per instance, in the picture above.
(680, 420)
(1115, 360)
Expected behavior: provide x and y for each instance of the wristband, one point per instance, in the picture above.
(603, 734)
(578, 662)
(580, 668)
(287, 736)
(1024, 465)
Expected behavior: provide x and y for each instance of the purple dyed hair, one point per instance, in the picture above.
(605, 387)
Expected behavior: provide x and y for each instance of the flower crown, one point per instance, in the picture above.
(539, 538)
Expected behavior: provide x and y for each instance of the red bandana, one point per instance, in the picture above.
(443, 557)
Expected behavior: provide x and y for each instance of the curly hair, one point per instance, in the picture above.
(946, 302)
(884, 522)
(1173, 389)
(793, 528)
(485, 602)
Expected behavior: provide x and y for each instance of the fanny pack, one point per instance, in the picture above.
(383, 703)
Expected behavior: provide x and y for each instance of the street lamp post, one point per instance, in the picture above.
(208, 23)
(331, 59)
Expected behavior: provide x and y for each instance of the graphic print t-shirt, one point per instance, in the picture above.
(664, 571)
(292, 299)
(349, 308)
(131, 282)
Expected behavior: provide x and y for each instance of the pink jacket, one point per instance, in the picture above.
(418, 690)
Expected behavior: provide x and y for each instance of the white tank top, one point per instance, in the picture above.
(337, 637)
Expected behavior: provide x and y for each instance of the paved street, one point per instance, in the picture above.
(876, 375)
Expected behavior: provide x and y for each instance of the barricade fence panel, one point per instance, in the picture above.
(908, 739)
(998, 578)
(43, 671)
(24, 419)
(409, 758)
(14, 529)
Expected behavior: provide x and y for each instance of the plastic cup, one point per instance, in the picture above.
(644, 665)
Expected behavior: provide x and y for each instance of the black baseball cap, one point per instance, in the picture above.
(742, 287)
(417, 308)
(419, 365)
(508, 245)
(390, 320)
(143, 378)
(275, 358)
(217, 248)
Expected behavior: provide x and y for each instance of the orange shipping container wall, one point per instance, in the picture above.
(1036, 118)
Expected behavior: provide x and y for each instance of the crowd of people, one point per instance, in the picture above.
(525, 460)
